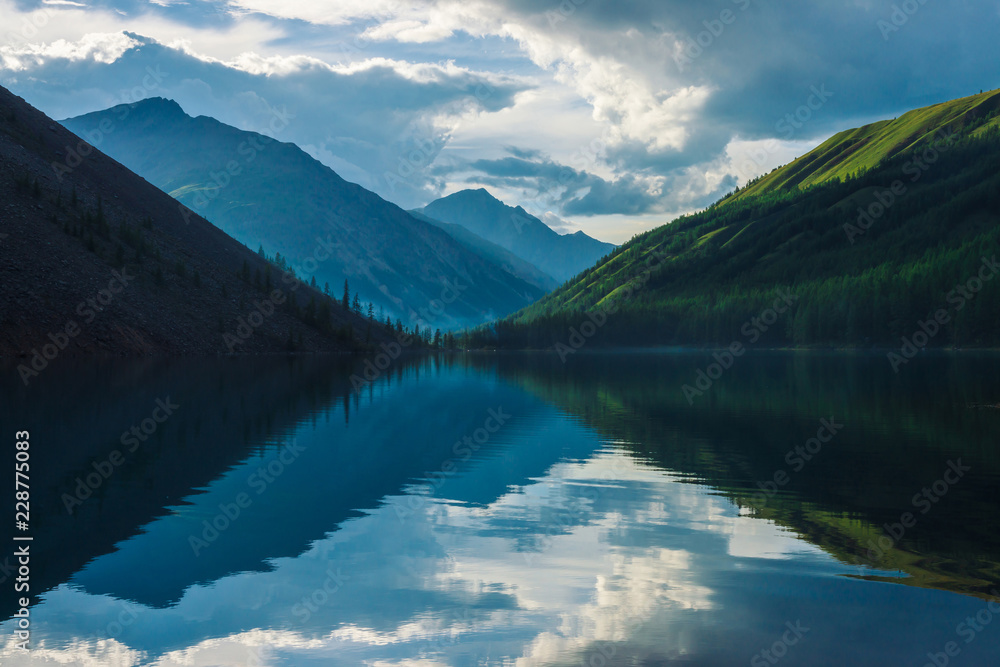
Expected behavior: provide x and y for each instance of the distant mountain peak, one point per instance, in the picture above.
(158, 108)
(162, 104)
(519, 232)
(281, 198)
(474, 195)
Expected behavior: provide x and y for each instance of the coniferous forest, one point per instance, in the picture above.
(871, 260)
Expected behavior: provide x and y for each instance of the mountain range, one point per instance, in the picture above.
(273, 195)
(513, 228)
(884, 235)
(97, 260)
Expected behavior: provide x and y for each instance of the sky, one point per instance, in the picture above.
(607, 116)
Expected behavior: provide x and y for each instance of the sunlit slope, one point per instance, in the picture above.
(858, 280)
(863, 148)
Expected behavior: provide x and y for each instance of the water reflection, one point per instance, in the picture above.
(503, 511)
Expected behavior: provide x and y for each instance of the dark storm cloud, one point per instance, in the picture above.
(677, 80)
(763, 61)
(577, 192)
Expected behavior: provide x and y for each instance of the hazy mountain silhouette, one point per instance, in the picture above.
(272, 194)
(562, 256)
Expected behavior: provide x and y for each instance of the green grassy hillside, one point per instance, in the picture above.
(858, 150)
(868, 235)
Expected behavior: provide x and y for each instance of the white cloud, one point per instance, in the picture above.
(603, 70)
(98, 47)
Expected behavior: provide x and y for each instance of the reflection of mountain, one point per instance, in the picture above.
(332, 473)
(553, 545)
(899, 435)
(225, 406)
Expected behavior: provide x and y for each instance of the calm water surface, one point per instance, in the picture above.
(807, 509)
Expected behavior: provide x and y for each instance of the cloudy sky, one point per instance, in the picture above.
(610, 116)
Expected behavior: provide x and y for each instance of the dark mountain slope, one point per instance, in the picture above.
(71, 225)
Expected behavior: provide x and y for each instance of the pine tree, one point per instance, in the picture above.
(346, 301)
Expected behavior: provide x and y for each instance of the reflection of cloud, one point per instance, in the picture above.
(238, 650)
(454, 578)
(80, 653)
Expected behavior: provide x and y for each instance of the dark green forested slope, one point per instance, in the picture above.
(853, 279)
